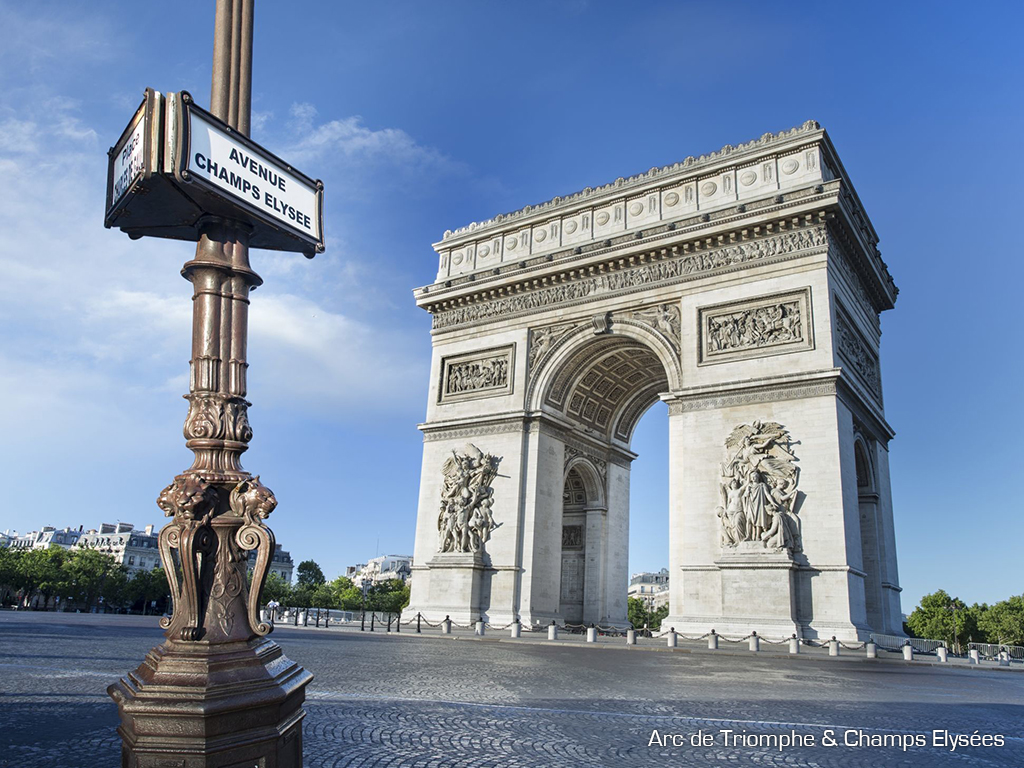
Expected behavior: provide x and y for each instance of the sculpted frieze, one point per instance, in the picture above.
(837, 256)
(465, 522)
(477, 374)
(758, 490)
(855, 351)
(756, 327)
(677, 268)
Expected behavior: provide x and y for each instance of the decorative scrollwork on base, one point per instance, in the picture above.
(254, 502)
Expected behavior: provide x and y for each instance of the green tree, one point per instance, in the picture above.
(349, 596)
(640, 616)
(323, 597)
(1003, 623)
(277, 589)
(41, 571)
(8, 571)
(310, 574)
(941, 617)
(389, 596)
(117, 590)
(87, 571)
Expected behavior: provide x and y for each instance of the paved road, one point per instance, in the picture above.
(431, 702)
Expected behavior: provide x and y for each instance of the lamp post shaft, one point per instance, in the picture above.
(217, 692)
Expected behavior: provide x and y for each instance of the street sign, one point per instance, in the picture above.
(177, 166)
(211, 155)
(134, 157)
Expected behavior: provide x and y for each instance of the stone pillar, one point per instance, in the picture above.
(975, 656)
(446, 626)
(517, 630)
(713, 641)
(673, 639)
(908, 652)
(479, 631)
(591, 634)
(552, 631)
(833, 647)
(794, 644)
(630, 637)
(755, 642)
(871, 650)
(941, 653)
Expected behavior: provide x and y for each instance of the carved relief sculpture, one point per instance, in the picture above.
(465, 522)
(758, 489)
(756, 327)
(855, 350)
(477, 374)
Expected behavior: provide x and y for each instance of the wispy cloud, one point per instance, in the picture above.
(349, 139)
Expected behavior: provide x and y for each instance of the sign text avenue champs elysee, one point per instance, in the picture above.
(176, 164)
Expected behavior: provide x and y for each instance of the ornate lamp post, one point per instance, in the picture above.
(217, 692)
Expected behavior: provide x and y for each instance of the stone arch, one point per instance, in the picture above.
(865, 470)
(590, 477)
(605, 381)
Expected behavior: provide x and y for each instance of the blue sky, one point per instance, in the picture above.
(423, 117)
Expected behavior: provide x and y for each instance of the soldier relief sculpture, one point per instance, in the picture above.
(465, 522)
(758, 489)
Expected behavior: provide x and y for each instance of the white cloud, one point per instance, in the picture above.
(349, 140)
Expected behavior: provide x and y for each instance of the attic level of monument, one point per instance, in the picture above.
(778, 183)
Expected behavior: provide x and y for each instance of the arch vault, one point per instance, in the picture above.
(742, 288)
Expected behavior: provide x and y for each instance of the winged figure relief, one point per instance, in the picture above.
(465, 521)
(758, 488)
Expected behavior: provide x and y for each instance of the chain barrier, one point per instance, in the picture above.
(500, 629)
(852, 647)
(775, 642)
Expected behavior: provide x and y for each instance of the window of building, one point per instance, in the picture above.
(131, 561)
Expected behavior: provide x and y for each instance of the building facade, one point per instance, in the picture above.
(379, 569)
(651, 588)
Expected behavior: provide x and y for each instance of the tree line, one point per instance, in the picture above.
(941, 617)
(312, 590)
(78, 579)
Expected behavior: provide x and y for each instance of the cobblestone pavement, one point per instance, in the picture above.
(429, 702)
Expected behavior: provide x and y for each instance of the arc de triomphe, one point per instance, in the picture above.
(743, 288)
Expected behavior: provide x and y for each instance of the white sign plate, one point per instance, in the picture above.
(129, 159)
(253, 177)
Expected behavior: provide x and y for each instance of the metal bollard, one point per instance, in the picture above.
(833, 647)
(362, 622)
(975, 656)
(908, 652)
(1004, 658)
(296, 622)
(389, 623)
(794, 644)
(318, 617)
(479, 631)
(417, 622)
(630, 637)
(673, 638)
(398, 623)
(872, 649)
(552, 630)
(591, 634)
(713, 641)
(517, 630)
(941, 652)
(327, 619)
(373, 619)
(755, 642)
(446, 626)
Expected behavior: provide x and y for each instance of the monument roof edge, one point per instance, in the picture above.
(733, 152)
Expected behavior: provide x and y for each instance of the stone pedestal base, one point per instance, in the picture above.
(193, 705)
(748, 589)
(456, 588)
